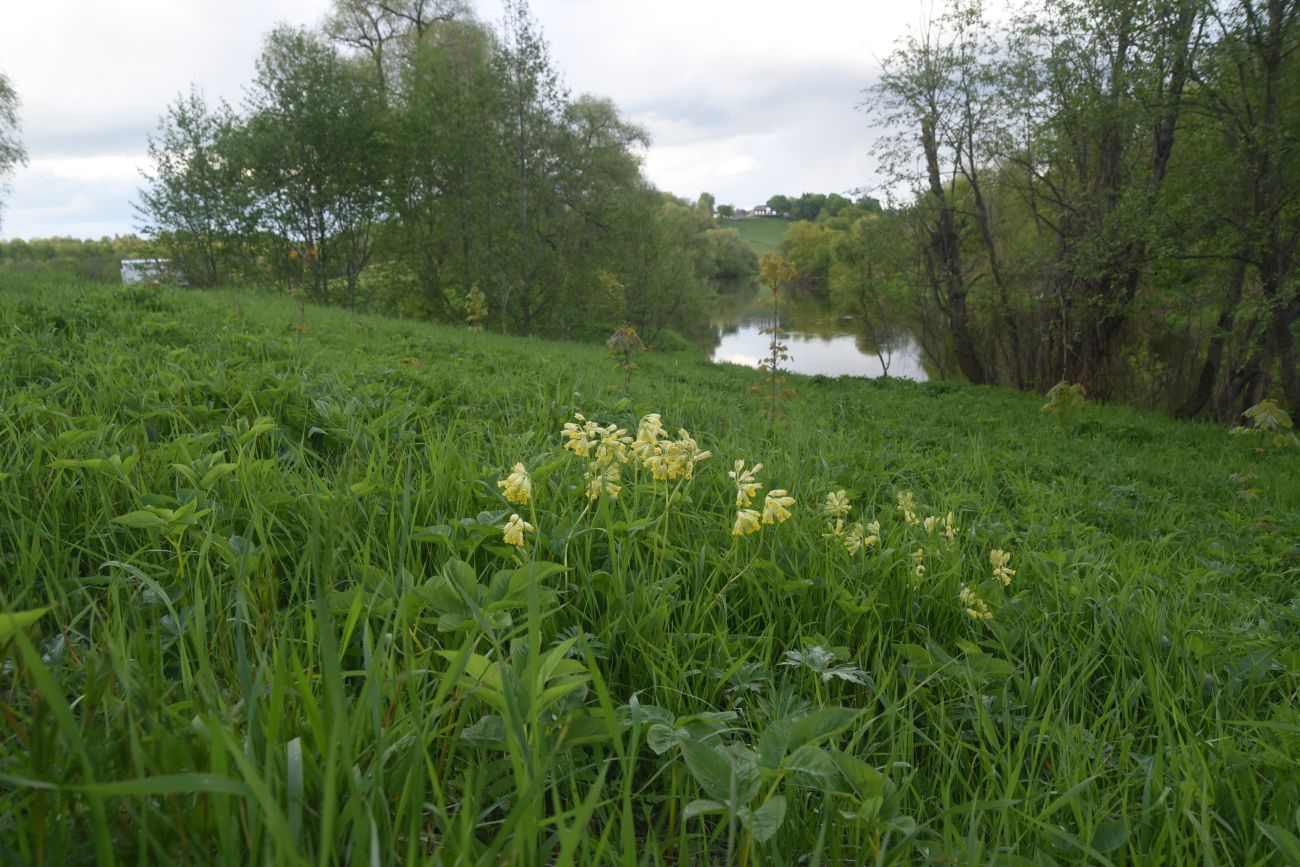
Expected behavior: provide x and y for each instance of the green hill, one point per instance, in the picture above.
(763, 234)
(276, 615)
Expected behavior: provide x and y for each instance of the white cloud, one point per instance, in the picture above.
(743, 98)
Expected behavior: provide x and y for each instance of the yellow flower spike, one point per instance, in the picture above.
(602, 479)
(611, 444)
(682, 454)
(518, 486)
(514, 530)
(746, 523)
(746, 486)
(581, 438)
(919, 571)
(930, 523)
(950, 529)
(976, 607)
(837, 504)
(776, 506)
(1000, 559)
(907, 505)
(854, 540)
(834, 529)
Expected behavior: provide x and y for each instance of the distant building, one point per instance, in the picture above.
(137, 271)
(740, 212)
(763, 211)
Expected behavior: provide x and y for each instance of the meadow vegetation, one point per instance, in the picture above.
(288, 584)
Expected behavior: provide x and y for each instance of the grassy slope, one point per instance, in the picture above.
(1133, 697)
(762, 234)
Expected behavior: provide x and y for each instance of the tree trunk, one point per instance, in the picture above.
(944, 246)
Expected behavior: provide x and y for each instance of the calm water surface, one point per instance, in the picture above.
(819, 342)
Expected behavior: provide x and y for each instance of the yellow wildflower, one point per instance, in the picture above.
(834, 529)
(612, 444)
(746, 522)
(853, 539)
(949, 529)
(776, 506)
(930, 523)
(837, 504)
(682, 454)
(518, 486)
(514, 530)
(919, 571)
(746, 487)
(602, 479)
(581, 438)
(907, 505)
(975, 606)
(1000, 559)
(651, 429)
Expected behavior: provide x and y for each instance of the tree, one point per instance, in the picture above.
(317, 153)
(1241, 88)
(726, 211)
(386, 32)
(914, 93)
(195, 202)
(12, 153)
(446, 181)
(705, 203)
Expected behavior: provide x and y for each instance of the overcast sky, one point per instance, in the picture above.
(743, 98)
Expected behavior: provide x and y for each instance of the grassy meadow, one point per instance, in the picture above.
(263, 606)
(762, 234)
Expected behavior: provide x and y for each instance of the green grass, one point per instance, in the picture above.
(284, 627)
(762, 234)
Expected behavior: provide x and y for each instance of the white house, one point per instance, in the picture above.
(137, 271)
(763, 211)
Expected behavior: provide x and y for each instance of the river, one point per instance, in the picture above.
(818, 341)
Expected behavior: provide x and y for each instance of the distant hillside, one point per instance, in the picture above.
(762, 234)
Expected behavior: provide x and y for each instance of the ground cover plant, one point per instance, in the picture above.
(379, 592)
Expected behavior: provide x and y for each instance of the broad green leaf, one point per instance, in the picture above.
(701, 807)
(711, 768)
(767, 819)
(661, 738)
(820, 724)
(142, 520)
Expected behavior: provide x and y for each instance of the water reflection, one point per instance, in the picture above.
(819, 341)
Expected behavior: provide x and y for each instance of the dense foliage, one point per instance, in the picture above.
(406, 155)
(12, 152)
(1104, 192)
(368, 591)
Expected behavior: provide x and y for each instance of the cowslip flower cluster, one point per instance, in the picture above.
(919, 570)
(666, 458)
(514, 530)
(1001, 571)
(856, 537)
(837, 504)
(776, 503)
(608, 447)
(949, 527)
(610, 442)
(602, 478)
(976, 607)
(776, 506)
(518, 486)
(605, 446)
(907, 505)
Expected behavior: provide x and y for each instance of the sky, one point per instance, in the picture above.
(742, 98)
